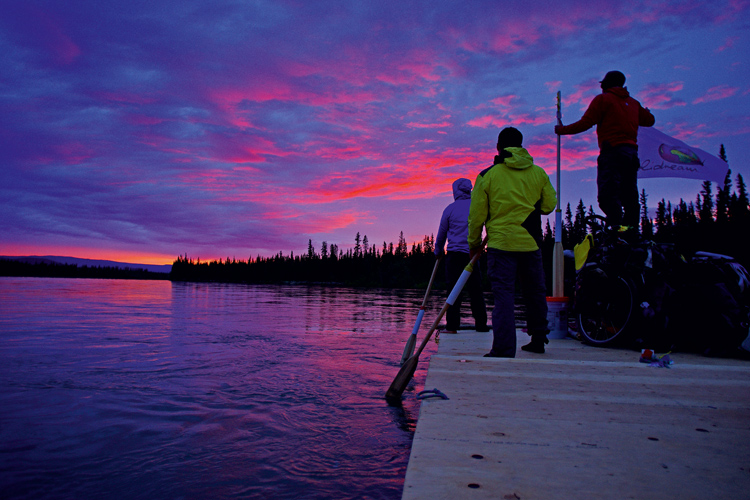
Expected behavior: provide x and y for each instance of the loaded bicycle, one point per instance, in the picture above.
(634, 292)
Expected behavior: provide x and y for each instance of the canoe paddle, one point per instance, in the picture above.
(407, 370)
(412, 341)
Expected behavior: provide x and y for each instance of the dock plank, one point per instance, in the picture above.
(579, 422)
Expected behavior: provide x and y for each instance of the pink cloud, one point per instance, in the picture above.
(414, 67)
(122, 97)
(716, 94)
(576, 154)
(553, 86)
(732, 10)
(228, 100)
(240, 149)
(690, 133)
(408, 179)
(70, 153)
(661, 96)
(429, 125)
(59, 43)
(143, 120)
(728, 43)
(513, 38)
(636, 14)
(583, 94)
(297, 219)
(513, 120)
(489, 121)
(505, 101)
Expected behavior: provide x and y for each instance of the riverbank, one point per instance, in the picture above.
(579, 422)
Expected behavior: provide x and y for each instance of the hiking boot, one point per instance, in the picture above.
(482, 328)
(536, 345)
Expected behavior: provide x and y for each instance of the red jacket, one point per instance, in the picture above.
(617, 117)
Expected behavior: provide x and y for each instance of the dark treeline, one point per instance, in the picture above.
(365, 265)
(715, 222)
(17, 268)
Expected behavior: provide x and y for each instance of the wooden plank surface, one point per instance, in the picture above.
(579, 422)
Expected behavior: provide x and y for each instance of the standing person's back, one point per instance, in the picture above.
(617, 117)
(508, 200)
(513, 187)
(454, 226)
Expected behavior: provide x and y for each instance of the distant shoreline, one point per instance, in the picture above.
(55, 259)
(42, 267)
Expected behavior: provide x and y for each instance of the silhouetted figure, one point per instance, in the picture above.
(454, 226)
(617, 117)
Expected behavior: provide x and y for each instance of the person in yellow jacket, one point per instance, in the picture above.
(508, 200)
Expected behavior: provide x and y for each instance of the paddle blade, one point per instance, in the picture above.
(402, 379)
(409, 349)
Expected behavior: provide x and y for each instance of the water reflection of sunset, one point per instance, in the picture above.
(276, 389)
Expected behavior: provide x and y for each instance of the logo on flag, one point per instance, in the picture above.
(665, 156)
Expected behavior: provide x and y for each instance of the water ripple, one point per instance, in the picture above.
(134, 389)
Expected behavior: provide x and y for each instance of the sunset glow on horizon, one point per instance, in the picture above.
(138, 132)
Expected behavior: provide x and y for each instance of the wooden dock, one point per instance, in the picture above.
(579, 422)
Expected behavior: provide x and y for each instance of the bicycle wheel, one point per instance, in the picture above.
(605, 307)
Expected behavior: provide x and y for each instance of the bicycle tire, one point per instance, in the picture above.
(606, 310)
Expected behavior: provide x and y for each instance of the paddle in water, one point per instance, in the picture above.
(407, 370)
(411, 343)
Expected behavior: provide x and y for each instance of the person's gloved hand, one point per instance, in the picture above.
(475, 251)
(557, 129)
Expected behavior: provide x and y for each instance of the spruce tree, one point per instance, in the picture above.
(738, 206)
(310, 250)
(401, 249)
(691, 215)
(647, 228)
(670, 222)
(661, 217)
(549, 235)
(723, 196)
(705, 203)
(567, 228)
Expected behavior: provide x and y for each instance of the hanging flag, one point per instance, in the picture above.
(664, 156)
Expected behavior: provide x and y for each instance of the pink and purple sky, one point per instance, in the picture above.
(142, 130)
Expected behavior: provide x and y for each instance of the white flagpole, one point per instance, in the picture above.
(558, 289)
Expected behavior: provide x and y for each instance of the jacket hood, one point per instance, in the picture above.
(618, 91)
(462, 189)
(519, 159)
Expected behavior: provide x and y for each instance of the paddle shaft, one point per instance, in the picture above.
(451, 298)
(412, 340)
(432, 280)
(409, 367)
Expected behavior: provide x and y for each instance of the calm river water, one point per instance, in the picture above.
(151, 389)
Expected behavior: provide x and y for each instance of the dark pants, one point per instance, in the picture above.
(455, 262)
(503, 268)
(617, 183)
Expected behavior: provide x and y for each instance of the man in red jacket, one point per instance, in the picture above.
(617, 117)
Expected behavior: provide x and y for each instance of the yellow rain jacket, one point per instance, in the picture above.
(505, 199)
